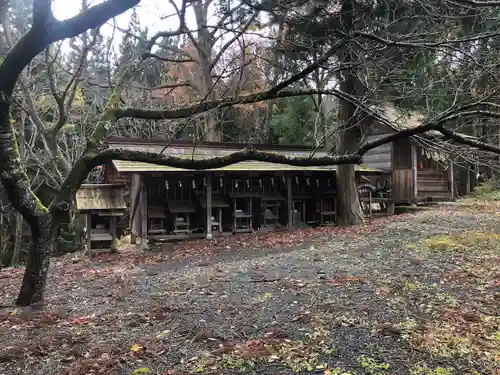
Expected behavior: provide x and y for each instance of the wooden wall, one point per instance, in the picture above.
(434, 185)
(402, 185)
(112, 176)
(380, 157)
(402, 154)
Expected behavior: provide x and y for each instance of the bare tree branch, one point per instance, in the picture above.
(42, 14)
(94, 17)
(179, 60)
(226, 45)
(479, 3)
(36, 40)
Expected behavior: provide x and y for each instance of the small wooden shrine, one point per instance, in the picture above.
(174, 204)
(101, 205)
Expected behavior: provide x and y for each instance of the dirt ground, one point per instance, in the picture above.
(413, 294)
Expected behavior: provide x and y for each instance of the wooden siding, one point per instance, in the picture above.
(112, 176)
(402, 154)
(380, 157)
(402, 185)
(434, 185)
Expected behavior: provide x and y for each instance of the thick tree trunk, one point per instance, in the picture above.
(44, 31)
(348, 206)
(18, 190)
(18, 115)
(19, 237)
(349, 209)
(212, 130)
(37, 266)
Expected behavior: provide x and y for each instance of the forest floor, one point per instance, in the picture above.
(413, 294)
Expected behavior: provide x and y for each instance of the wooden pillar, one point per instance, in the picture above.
(88, 226)
(112, 225)
(289, 201)
(414, 159)
(144, 216)
(219, 219)
(209, 206)
(467, 183)
(390, 208)
(135, 188)
(451, 179)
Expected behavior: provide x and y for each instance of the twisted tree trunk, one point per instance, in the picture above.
(45, 30)
(37, 266)
(17, 187)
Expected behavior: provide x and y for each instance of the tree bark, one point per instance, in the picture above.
(37, 266)
(18, 240)
(45, 30)
(204, 47)
(19, 118)
(348, 206)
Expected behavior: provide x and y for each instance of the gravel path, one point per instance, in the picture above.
(368, 300)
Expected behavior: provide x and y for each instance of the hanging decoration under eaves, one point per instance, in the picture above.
(433, 155)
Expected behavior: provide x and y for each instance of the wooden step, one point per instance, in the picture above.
(433, 186)
(434, 194)
(430, 174)
(431, 180)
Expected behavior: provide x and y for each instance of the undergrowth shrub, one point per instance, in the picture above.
(487, 190)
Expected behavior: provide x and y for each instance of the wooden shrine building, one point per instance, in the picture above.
(421, 169)
(101, 205)
(172, 203)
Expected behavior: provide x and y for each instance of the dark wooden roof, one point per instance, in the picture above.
(190, 150)
(203, 145)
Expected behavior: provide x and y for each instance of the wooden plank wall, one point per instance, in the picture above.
(380, 157)
(402, 186)
(112, 176)
(402, 154)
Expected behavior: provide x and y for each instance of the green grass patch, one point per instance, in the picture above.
(459, 241)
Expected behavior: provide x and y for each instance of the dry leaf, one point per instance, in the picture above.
(135, 348)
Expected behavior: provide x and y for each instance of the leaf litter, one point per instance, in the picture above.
(410, 294)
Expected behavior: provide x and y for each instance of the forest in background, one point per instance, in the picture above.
(73, 80)
(283, 72)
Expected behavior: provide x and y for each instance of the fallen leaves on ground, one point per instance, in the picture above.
(325, 300)
(343, 279)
